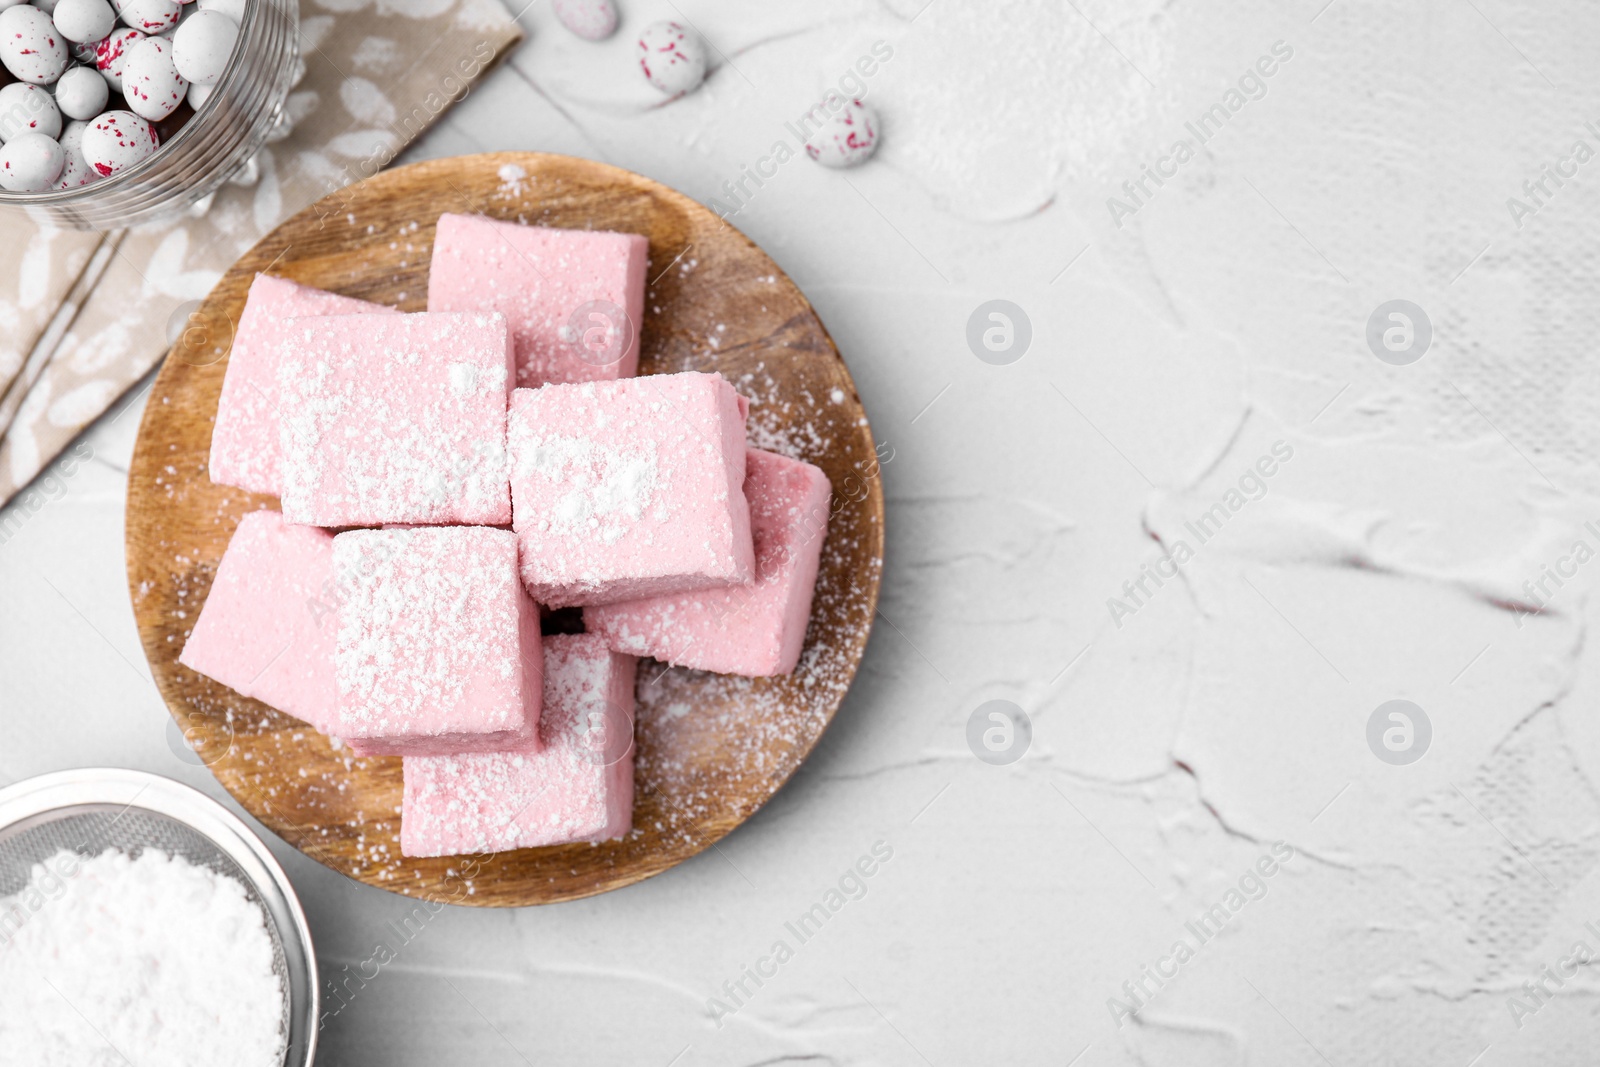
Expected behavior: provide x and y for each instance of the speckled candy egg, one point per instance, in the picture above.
(82, 93)
(199, 94)
(116, 141)
(30, 45)
(30, 163)
(593, 20)
(847, 137)
(149, 16)
(111, 53)
(26, 109)
(84, 21)
(75, 172)
(150, 83)
(673, 57)
(202, 45)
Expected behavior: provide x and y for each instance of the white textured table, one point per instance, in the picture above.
(1415, 519)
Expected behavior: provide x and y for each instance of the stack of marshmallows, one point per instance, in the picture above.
(445, 477)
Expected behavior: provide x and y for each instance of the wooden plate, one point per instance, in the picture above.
(711, 749)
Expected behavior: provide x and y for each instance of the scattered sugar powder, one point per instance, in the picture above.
(115, 959)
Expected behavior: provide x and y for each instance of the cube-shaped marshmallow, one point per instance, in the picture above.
(267, 629)
(628, 489)
(395, 418)
(575, 785)
(244, 441)
(438, 649)
(752, 629)
(573, 299)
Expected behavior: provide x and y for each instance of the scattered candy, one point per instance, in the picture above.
(81, 93)
(116, 141)
(593, 20)
(30, 163)
(202, 45)
(84, 21)
(30, 45)
(846, 138)
(150, 83)
(26, 109)
(76, 172)
(673, 57)
(111, 53)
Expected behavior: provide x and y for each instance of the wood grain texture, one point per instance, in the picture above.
(711, 749)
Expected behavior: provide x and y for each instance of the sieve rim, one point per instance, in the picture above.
(60, 794)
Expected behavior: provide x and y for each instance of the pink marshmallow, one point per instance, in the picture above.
(266, 630)
(395, 418)
(244, 442)
(438, 648)
(628, 489)
(574, 299)
(576, 784)
(753, 629)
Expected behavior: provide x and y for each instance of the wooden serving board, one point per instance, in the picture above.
(711, 749)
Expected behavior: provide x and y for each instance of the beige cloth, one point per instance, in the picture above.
(84, 316)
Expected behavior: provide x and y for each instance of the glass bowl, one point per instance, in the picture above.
(217, 142)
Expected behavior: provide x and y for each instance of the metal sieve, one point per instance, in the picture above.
(97, 808)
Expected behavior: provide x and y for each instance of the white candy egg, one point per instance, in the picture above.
(672, 56)
(150, 83)
(76, 172)
(847, 137)
(116, 141)
(202, 45)
(30, 45)
(234, 9)
(149, 16)
(199, 94)
(82, 93)
(112, 53)
(26, 109)
(30, 163)
(593, 20)
(84, 21)
(13, 3)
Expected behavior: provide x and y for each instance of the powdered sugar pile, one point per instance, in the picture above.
(146, 960)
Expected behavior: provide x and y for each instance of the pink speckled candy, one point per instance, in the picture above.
(672, 56)
(593, 20)
(630, 488)
(203, 44)
(268, 627)
(754, 629)
(111, 54)
(30, 163)
(847, 137)
(81, 93)
(84, 21)
(116, 141)
(439, 649)
(575, 785)
(395, 418)
(149, 16)
(31, 47)
(26, 108)
(77, 171)
(150, 83)
(541, 280)
(244, 441)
